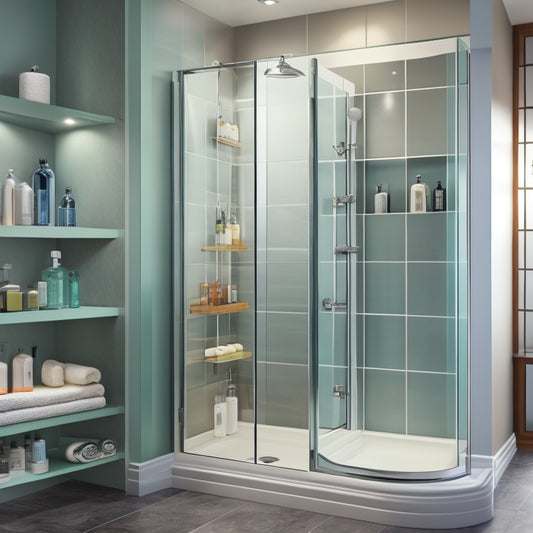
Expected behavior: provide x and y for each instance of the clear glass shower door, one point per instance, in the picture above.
(336, 250)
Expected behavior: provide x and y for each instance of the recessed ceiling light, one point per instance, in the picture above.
(69, 121)
(268, 2)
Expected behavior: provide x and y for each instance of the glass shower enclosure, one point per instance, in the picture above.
(312, 332)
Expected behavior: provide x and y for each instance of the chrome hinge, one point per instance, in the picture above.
(346, 249)
(339, 201)
(180, 416)
(329, 305)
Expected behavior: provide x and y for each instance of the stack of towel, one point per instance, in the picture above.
(45, 402)
(66, 388)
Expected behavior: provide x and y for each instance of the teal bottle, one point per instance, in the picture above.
(74, 289)
(54, 277)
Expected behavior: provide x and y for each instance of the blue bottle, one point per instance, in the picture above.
(44, 195)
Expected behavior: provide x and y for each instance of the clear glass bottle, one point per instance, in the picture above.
(66, 212)
(219, 226)
(54, 277)
(44, 195)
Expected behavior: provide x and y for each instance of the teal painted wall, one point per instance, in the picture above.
(35, 19)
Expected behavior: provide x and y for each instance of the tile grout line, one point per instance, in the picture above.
(218, 517)
(131, 513)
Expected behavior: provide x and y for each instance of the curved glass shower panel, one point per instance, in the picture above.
(407, 388)
(217, 246)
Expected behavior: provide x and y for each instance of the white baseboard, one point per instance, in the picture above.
(503, 457)
(150, 476)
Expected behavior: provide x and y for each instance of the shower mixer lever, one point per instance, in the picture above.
(346, 249)
(340, 149)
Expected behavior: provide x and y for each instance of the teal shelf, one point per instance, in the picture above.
(46, 117)
(33, 425)
(58, 467)
(57, 232)
(57, 315)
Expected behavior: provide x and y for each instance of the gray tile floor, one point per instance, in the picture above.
(79, 507)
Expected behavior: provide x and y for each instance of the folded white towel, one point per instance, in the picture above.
(238, 347)
(81, 375)
(52, 373)
(42, 395)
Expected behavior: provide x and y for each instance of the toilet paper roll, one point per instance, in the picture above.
(34, 86)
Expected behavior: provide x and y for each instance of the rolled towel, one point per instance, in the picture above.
(52, 373)
(210, 352)
(238, 347)
(81, 375)
(225, 350)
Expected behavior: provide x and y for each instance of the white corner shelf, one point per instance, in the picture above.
(57, 232)
(47, 118)
(57, 315)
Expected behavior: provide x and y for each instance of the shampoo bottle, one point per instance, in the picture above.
(44, 191)
(17, 459)
(439, 198)
(3, 378)
(418, 196)
(8, 189)
(220, 415)
(66, 212)
(381, 200)
(235, 231)
(23, 204)
(54, 282)
(22, 373)
(38, 450)
(232, 408)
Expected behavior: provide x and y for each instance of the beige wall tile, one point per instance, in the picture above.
(271, 39)
(342, 29)
(429, 19)
(385, 23)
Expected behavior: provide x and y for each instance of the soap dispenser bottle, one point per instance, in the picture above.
(44, 192)
(381, 200)
(22, 373)
(419, 203)
(439, 198)
(66, 212)
(23, 205)
(55, 283)
(232, 407)
(220, 415)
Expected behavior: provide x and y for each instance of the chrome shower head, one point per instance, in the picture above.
(354, 114)
(283, 70)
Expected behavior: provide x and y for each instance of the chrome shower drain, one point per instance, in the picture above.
(268, 459)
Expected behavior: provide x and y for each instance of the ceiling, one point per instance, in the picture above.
(519, 11)
(240, 12)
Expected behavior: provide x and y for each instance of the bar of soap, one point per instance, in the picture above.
(14, 301)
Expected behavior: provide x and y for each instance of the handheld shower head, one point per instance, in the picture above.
(354, 114)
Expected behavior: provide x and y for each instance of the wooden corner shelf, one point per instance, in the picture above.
(236, 356)
(229, 142)
(196, 309)
(225, 248)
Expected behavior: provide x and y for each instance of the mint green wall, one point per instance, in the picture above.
(35, 19)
